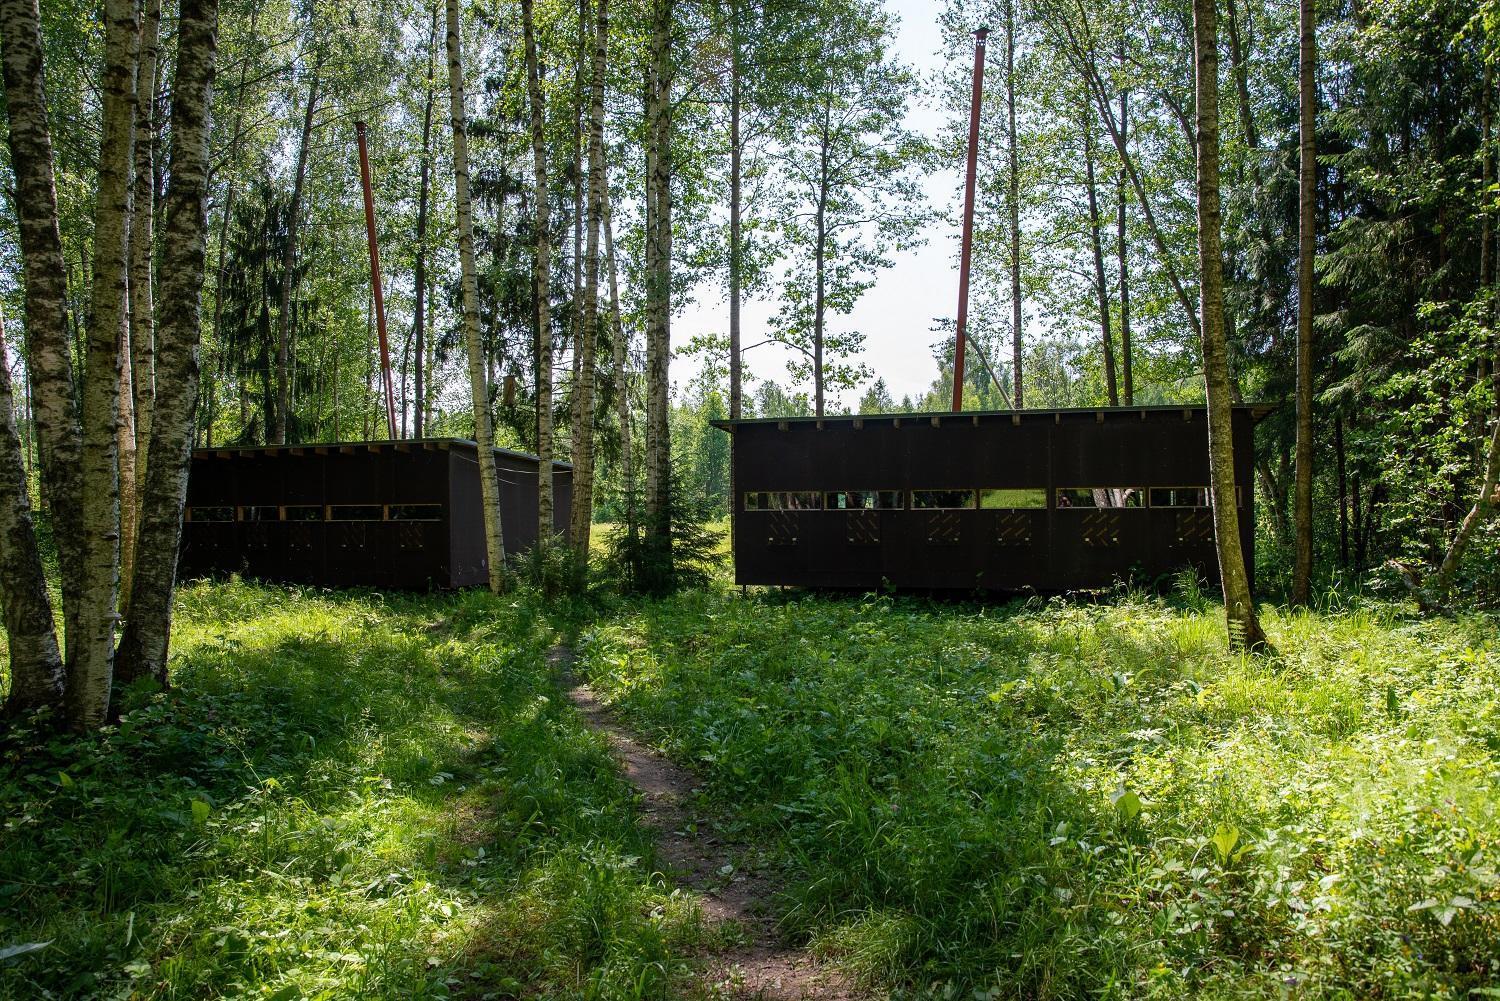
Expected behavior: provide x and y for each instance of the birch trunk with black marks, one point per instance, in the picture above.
(36, 668)
(289, 262)
(138, 364)
(736, 258)
(419, 277)
(619, 350)
(820, 256)
(658, 272)
(484, 434)
(575, 313)
(54, 404)
(541, 280)
(1239, 606)
(583, 431)
(147, 636)
(1013, 167)
(91, 647)
(1307, 187)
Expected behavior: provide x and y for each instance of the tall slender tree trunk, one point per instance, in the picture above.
(419, 278)
(1014, 198)
(36, 668)
(619, 351)
(59, 439)
(91, 650)
(820, 256)
(1121, 244)
(575, 313)
(736, 260)
(138, 365)
(484, 435)
(1101, 284)
(1307, 177)
(144, 645)
(583, 432)
(541, 282)
(289, 260)
(1239, 606)
(1343, 478)
(659, 275)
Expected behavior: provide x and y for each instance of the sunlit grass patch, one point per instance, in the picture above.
(345, 796)
(1054, 798)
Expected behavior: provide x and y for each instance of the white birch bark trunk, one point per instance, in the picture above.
(54, 408)
(659, 274)
(137, 364)
(91, 650)
(484, 436)
(583, 432)
(36, 668)
(619, 352)
(147, 636)
(541, 275)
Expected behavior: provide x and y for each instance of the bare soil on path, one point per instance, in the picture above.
(721, 872)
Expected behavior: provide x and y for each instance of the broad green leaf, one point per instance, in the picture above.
(200, 812)
(1224, 840)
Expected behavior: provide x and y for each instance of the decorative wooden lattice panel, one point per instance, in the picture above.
(299, 538)
(351, 535)
(1101, 528)
(863, 528)
(409, 537)
(1196, 525)
(1013, 528)
(781, 529)
(943, 528)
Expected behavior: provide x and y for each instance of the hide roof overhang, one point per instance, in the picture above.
(350, 447)
(1257, 412)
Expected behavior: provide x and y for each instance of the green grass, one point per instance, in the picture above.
(344, 796)
(359, 795)
(1053, 799)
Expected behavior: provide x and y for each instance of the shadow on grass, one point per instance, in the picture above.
(344, 794)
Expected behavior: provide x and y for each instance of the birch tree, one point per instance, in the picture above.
(137, 364)
(583, 431)
(54, 412)
(36, 667)
(1239, 606)
(541, 276)
(90, 650)
(484, 435)
(658, 276)
(144, 644)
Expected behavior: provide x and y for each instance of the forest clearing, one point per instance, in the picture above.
(350, 795)
(781, 500)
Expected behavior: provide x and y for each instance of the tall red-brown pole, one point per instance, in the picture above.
(968, 235)
(385, 351)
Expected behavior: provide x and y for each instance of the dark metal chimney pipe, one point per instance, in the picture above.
(968, 231)
(385, 352)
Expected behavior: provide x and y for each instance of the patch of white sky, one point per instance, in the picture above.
(899, 314)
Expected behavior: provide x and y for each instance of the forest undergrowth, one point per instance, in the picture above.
(344, 796)
(361, 795)
(1054, 798)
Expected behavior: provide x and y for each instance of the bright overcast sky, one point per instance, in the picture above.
(897, 314)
